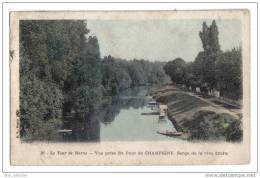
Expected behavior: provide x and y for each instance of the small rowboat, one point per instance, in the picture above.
(64, 131)
(150, 113)
(170, 134)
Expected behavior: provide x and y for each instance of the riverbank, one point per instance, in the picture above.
(200, 117)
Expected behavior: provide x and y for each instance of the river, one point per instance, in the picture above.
(122, 120)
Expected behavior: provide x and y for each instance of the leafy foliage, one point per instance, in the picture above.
(119, 74)
(234, 131)
(229, 74)
(208, 125)
(176, 70)
(40, 104)
(62, 73)
(59, 69)
(212, 68)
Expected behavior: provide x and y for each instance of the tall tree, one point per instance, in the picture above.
(209, 37)
(205, 61)
(86, 93)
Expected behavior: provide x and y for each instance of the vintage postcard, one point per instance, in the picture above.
(130, 87)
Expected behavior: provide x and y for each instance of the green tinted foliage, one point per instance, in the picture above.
(209, 37)
(212, 68)
(176, 70)
(115, 76)
(119, 74)
(204, 64)
(229, 74)
(234, 131)
(86, 92)
(208, 125)
(59, 68)
(40, 104)
(204, 69)
(61, 72)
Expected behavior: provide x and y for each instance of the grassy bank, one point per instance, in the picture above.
(199, 117)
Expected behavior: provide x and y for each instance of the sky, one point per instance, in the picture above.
(160, 40)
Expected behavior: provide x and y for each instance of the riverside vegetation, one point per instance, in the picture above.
(62, 74)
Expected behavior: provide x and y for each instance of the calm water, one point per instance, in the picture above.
(122, 120)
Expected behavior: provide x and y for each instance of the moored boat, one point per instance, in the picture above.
(153, 105)
(171, 134)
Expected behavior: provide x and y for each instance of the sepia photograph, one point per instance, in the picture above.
(130, 78)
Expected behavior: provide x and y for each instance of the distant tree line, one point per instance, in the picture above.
(120, 74)
(61, 72)
(212, 69)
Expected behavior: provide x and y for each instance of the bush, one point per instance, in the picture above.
(234, 131)
(207, 125)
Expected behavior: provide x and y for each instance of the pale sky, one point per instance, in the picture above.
(160, 40)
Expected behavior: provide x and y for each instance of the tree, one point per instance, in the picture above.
(85, 96)
(229, 74)
(59, 73)
(119, 74)
(215, 69)
(204, 64)
(41, 99)
(190, 79)
(115, 76)
(209, 38)
(176, 70)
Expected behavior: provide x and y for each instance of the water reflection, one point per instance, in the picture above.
(87, 128)
(83, 128)
(121, 119)
(118, 103)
